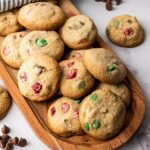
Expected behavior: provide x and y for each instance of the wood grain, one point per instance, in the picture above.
(36, 113)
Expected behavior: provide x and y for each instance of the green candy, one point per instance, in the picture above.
(87, 127)
(96, 124)
(82, 85)
(111, 68)
(41, 42)
(93, 97)
(115, 23)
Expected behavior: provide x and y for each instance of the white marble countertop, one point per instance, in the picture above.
(137, 59)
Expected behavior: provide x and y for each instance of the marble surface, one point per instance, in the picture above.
(137, 59)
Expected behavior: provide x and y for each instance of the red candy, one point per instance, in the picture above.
(23, 77)
(76, 55)
(6, 51)
(128, 32)
(72, 74)
(65, 107)
(53, 111)
(70, 64)
(37, 87)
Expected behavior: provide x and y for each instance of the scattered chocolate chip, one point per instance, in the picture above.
(5, 129)
(7, 142)
(5, 137)
(108, 5)
(22, 142)
(118, 2)
(8, 146)
(14, 141)
(2, 143)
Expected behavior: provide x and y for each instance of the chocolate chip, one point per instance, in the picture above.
(118, 2)
(0, 137)
(5, 137)
(8, 146)
(22, 142)
(14, 141)
(5, 129)
(108, 5)
(2, 143)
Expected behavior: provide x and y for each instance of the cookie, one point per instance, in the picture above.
(5, 102)
(104, 65)
(76, 81)
(102, 114)
(121, 90)
(9, 23)
(79, 32)
(10, 49)
(41, 16)
(38, 77)
(125, 30)
(63, 117)
(75, 54)
(46, 42)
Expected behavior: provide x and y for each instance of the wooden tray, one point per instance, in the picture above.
(36, 113)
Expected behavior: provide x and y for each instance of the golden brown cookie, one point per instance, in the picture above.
(41, 16)
(104, 65)
(79, 32)
(9, 22)
(38, 77)
(76, 81)
(121, 90)
(63, 117)
(125, 30)
(45, 42)
(102, 114)
(5, 102)
(10, 49)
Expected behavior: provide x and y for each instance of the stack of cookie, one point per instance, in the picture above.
(84, 82)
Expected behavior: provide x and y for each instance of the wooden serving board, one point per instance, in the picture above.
(36, 113)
